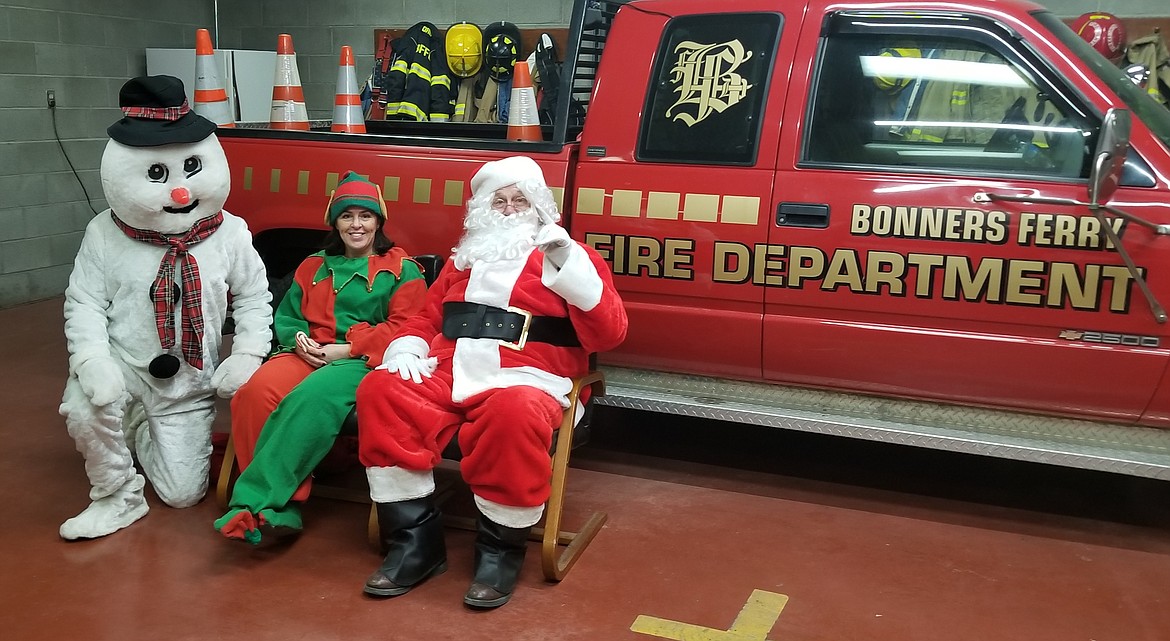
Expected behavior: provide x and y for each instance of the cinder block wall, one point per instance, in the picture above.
(84, 51)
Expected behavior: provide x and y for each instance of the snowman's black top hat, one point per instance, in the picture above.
(157, 113)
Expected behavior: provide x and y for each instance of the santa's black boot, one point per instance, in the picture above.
(412, 532)
(499, 554)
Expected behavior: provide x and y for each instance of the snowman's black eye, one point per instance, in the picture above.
(157, 173)
(192, 165)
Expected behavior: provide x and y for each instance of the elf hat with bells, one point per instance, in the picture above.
(354, 191)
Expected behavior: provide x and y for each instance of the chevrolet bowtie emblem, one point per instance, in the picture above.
(1071, 335)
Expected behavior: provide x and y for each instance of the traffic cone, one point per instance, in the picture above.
(523, 119)
(288, 99)
(211, 100)
(347, 105)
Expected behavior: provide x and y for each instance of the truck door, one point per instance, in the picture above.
(677, 158)
(890, 271)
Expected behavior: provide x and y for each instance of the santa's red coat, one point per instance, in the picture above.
(407, 425)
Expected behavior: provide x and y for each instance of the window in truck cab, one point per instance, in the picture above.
(940, 93)
(706, 95)
(1155, 116)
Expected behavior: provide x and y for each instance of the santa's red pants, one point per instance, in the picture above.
(504, 434)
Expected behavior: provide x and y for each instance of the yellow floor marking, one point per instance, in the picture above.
(754, 622)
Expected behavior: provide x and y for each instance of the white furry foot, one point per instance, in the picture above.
(109, 514)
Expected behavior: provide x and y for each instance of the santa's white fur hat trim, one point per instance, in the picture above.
(504, 172)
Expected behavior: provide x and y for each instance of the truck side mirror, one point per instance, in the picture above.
(1109, 157)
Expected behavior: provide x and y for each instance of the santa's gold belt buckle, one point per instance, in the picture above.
(519, 343)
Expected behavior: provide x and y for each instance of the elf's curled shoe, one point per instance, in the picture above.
(239, 524)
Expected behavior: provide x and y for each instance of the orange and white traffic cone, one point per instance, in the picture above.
(288, 99)
(523, 119)
(347, 105)
(211, 99)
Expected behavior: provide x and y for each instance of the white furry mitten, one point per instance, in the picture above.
(234, 371)
(101, 379)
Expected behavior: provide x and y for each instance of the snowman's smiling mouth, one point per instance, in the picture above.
(182, 210)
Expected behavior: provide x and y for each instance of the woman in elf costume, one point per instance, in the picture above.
(332, 327)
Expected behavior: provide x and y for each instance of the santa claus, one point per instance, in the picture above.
(510, 320)
(145, 304)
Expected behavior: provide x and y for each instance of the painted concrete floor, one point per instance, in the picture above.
(691, 548)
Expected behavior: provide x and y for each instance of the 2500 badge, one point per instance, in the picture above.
(1108, 338)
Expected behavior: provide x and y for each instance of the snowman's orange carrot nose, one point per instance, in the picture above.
(181, 195)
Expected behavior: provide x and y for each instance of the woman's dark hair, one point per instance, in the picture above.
(334, 246)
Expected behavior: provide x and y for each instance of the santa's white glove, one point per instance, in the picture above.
(554, 242)
(234, 371)
(411, 366)
(101, 379)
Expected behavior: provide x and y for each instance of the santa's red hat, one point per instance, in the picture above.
(508, 171)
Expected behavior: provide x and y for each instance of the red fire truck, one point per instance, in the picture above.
(928, 223)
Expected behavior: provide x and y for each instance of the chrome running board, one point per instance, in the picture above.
(1120, 449)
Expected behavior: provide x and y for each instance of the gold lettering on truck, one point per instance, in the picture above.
(1089, 287)
(705, 79)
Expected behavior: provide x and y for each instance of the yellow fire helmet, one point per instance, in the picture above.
(894, 83)
(464, 49)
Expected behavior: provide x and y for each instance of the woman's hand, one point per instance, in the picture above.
(335, 352)
(310, 350)
(318, 355)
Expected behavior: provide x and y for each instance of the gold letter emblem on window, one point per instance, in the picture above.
(704, 76)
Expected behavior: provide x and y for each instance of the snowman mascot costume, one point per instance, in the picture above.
(146, 300)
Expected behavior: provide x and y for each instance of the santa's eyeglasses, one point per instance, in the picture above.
(519, 203)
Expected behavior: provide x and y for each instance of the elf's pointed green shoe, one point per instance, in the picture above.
(238, 525)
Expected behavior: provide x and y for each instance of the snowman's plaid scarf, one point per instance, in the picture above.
(162, 291)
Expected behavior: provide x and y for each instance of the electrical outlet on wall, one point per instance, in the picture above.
(51, 98)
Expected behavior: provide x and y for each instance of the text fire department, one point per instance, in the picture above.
(957, 277)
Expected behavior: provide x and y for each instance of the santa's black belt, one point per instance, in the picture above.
(513, 327)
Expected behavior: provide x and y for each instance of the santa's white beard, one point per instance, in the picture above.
(491, 236)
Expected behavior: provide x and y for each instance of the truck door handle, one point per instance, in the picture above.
(814, 215)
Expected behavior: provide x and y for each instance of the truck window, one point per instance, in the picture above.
(1152, 113)
(706, 97)
(936, 102)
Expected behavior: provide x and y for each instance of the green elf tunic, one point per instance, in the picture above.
(333, 299)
